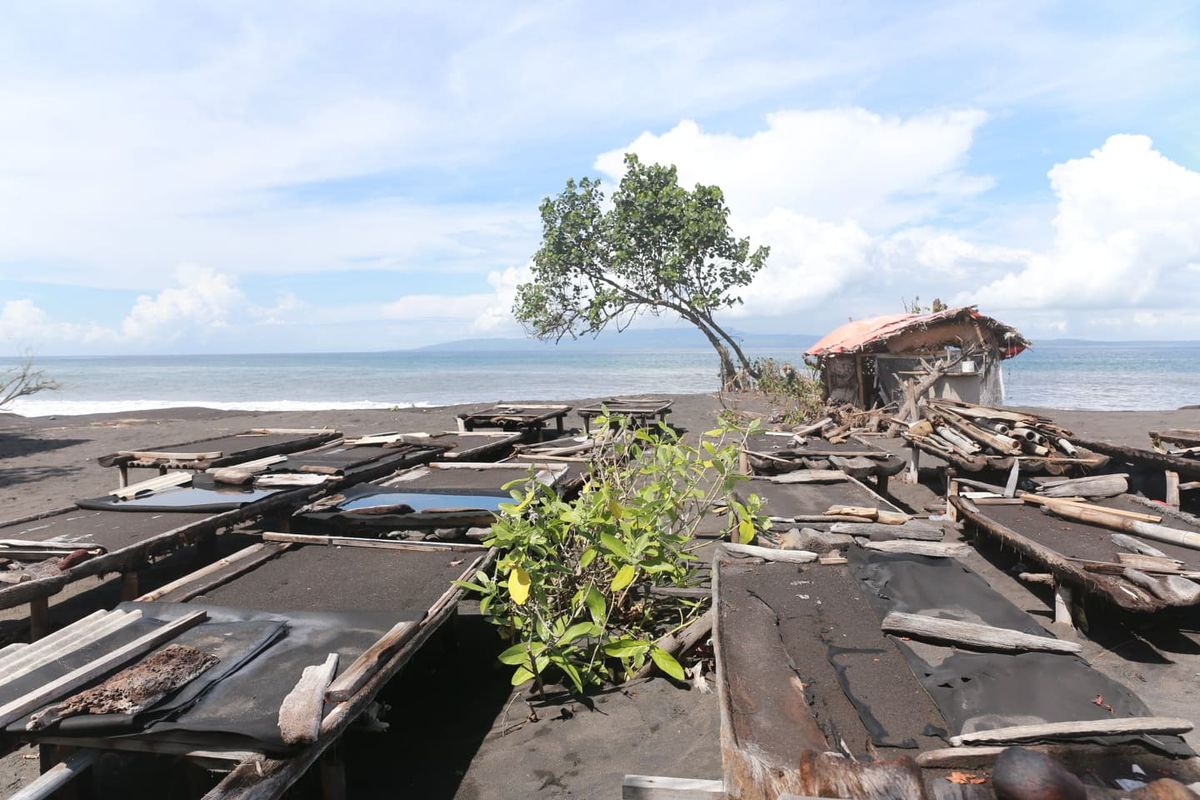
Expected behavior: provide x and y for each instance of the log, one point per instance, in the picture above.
(861, 512)
(20, 706)
(361, 670)
(1136, 545)
(855, 467)
(1093, 486)
(161, 455)
(681, 641)
(770, 553)
(913, 529)
(302, 710)
(997, 441)
(957, 441)
(972, 634)
(151, 485)
(1173, 589)
(1073, 730)
(655, 787)
(807, 476)
(1056, 502)
(49, 782)
(812, 428)
(1099, 516)
(914, 548)
(133, 689)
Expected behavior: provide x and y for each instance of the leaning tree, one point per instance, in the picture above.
(656, 248)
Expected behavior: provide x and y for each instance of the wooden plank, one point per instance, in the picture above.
(1073, 730)
(150, 485)
(382, 544)
(1172, 491)
(973, 634)
(657, 787)
(54, 647)
(302, 710)
(45, 785)
(19, 707)
(216, 566)
(916, 548)
(163, 455)
(769, 553)
(806, 476)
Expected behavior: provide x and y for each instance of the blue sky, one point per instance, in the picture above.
(227, 177)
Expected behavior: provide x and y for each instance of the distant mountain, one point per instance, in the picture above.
(666, 339)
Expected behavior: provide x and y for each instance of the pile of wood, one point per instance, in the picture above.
(1177, 442)
(978, 437)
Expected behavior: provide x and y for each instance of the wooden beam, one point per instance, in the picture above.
(216, 566)
(56, 646)
(916, 548)
(45, 785)
(770, 553)
(1172, 491)
(382, 544)
(76, 678)
(656, 787)
(973, 634)
(1073, 730)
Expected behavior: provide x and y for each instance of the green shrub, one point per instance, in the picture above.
(568, 588)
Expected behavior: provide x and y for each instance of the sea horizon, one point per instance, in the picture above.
(1075, 374)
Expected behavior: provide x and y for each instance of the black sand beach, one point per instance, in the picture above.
(457, 730)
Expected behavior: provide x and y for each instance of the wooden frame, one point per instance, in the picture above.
(170, 457)
(637, 409)
(515, 416)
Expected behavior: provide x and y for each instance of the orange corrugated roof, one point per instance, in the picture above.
(857, 334)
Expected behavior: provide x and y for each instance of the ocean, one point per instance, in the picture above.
(1135, 376)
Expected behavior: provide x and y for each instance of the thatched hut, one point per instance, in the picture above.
(867, 362)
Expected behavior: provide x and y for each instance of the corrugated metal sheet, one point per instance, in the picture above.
(858, 335)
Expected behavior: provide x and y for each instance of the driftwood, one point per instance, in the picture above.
(133, 689)
(876, 531)
(1136, 545)
(681, 641)
(301, 711)
(1091, 486)
(916, 548)
(972, 634)
(1173, 589)
(1100, 516)
(769, 553)
(1073, 730)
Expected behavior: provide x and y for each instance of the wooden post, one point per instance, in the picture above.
(1172, 495)
(39, 618)
(162, 470)
(951, 491)
(333, 777)
(881, 483)
(914, 464)
(129, 585)
(1062, 605)
(122, 476)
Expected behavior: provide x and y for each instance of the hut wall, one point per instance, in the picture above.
(840, 378)
(957, 333)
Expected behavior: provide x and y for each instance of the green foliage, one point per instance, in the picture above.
(796, 393)
(915, 306)
(569, 586)
(656, 248)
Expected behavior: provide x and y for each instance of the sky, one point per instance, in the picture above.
(316, 176)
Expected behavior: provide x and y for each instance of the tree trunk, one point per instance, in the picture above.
(728, 372)
(747, 367)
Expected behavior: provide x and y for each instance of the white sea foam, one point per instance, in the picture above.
(37, 407)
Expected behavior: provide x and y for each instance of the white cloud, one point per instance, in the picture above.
(414, 307)
(1128, 223)
(203, 299)
(24, 324)
(831, 165)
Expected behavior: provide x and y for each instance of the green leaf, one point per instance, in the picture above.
(667, 663)
(624, 648)
(587, 557)
(745, 531)
(623, 578)
(575, 631)
(614, 545)
(519, 653)
(473, 587)
(596, 605)
(522, 675)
